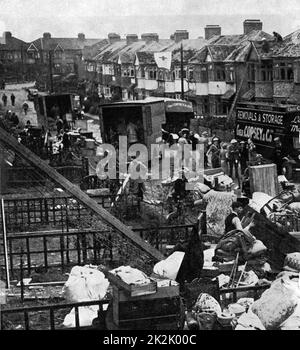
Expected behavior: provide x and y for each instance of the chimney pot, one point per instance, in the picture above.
(131, 38)
(212, 30)
(252, 24)
(81, 36)
(7, 36)
(148, 37)
(113, 37)
(47, 36)
(181, 35)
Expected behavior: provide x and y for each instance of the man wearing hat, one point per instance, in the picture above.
(214, 150)
(244, 156)
(278, 156)
(234, 159)
(204, 140)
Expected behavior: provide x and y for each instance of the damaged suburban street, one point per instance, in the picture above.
(149, 173)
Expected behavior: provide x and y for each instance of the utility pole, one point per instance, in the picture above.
(51, 71)
(181, 70)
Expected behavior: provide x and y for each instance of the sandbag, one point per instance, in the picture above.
(86, 316)
(249, 321)
(85, 284)
(260, 199)
(293, 261)
(207, 304)
(295, 207)
(257, 248)
(201, 187)
(169, 267)
(275, 305)
(293, 322)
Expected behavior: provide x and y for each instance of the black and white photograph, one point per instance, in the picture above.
(149, 168)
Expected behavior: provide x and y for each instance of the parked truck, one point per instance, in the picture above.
(48, 106)
(149, 116)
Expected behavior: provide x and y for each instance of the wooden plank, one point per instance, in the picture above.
(61, 181)
(263, 178)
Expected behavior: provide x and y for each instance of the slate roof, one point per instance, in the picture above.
(289, 47)
(64, 43)
(13, 44)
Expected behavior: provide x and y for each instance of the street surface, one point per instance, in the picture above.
(19, 90)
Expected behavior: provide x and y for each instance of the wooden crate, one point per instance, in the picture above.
(263, 178)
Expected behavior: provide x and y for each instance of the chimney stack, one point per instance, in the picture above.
(47, 36)
(181, 35)
(7, 36)
(131, 38)
(113, 37)
(252, 24)
(212, 30)
(81, 37)
(148, 37)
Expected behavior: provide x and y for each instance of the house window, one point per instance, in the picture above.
(203, 75)
(99, 68)
(160, 75)
(108, 69)
(178, 96)
(211, 72)
(124, 95)
(265, 72)
(152, 74)
(284, 71)
(178, 73)
(220, 74)
(251, 72)
(221, 108)
(107, 91)
(205, 108)
(191, 74)
(58, 54)
(230, 74)
(141, 72)
(132, 75)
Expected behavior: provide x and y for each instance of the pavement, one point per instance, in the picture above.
(21, 96)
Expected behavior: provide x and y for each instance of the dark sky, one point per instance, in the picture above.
(28, 19)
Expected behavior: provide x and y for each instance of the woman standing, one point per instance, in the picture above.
(214, 150)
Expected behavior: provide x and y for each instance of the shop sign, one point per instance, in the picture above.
(262, 133)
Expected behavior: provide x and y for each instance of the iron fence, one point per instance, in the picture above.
(62, 249)
(51, 309)
(24, 214)
(54, 308)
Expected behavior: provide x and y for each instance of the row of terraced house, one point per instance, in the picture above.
(218, 69)
(255, 66)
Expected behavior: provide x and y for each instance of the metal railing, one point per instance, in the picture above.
(257, 290)
(61, 249)
(23, 214)
(50, 310)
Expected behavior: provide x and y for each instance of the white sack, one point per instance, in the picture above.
(169, 267)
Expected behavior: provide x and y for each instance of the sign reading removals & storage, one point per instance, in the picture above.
(262, 126)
